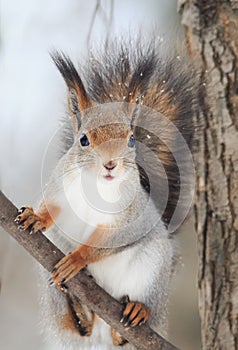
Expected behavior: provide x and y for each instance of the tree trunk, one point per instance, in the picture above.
(211, 28)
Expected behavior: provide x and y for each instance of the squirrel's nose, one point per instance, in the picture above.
(110, 165)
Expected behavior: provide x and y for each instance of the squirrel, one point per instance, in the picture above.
(119, 190)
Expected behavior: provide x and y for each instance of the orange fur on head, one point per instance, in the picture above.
(107, 133)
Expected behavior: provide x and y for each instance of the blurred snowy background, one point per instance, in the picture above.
(32, 100)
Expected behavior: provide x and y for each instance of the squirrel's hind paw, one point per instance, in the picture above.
(135, 314)
(26, 218)
(117, 339)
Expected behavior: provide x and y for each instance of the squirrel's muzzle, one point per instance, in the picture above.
(110, 165)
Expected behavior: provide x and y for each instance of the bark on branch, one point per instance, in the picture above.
(99, 301)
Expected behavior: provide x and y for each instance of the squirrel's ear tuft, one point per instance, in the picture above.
(134, 110)
(78, 99)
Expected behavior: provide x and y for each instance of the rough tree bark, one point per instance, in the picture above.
(211, 28)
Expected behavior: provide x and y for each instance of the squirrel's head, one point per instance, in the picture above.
(104, 141)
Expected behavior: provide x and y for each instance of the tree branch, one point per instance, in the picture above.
(99, 301)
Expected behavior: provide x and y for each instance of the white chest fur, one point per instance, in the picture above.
(88, 201)
(124, 273)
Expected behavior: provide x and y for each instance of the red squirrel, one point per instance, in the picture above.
(121, 187)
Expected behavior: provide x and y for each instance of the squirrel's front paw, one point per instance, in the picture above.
(135, 313)
(67, 268)
(26, 218)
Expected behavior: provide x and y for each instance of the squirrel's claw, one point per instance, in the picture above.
(135, 314)
(62, 288)
(67, 268)
(28, 219)
(21, 210)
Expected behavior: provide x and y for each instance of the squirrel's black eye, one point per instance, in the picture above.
(84, 140)
(131, 142)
